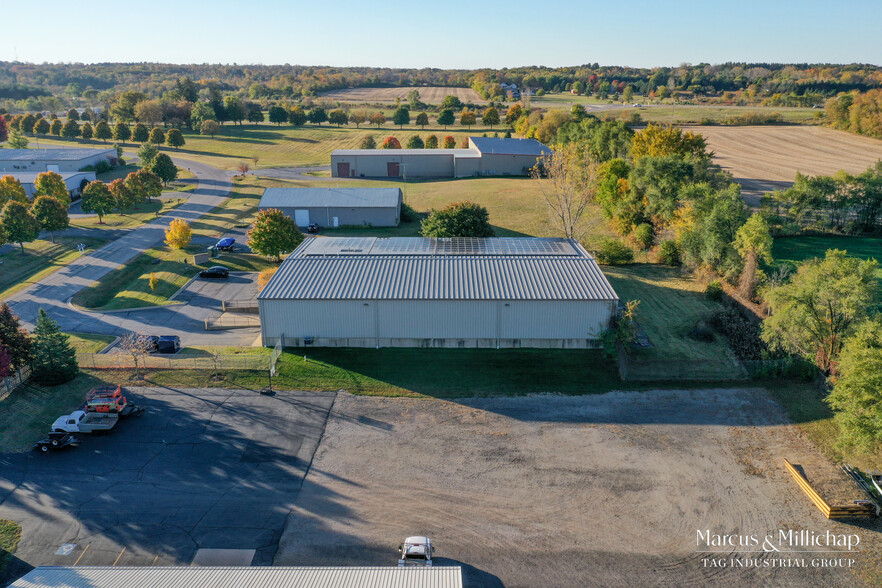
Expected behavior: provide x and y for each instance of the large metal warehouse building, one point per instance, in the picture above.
(59, 160)
(418, 292)
(485, 156)
(73, 181)
(335, 207)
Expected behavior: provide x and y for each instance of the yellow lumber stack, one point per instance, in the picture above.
(831, 512)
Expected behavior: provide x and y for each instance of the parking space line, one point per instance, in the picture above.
(119, 556)
(82, 554)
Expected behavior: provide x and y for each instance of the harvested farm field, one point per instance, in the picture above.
(547, 490)
(429, 95)
(766, 158)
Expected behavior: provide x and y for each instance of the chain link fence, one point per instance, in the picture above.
(239, 361)
(11, 382)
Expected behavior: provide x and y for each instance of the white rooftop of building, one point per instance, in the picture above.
(75, 154)
(415, 268)
(242, 577)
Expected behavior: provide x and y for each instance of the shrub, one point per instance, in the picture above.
(102, 167)
(714, 291)
(743, 334)
(614, 252)
(642, 236)
(408, 214)
(668, 253)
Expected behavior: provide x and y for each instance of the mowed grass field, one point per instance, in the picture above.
(41, 258)
(429, 94)
(671, 304)
(797, 249)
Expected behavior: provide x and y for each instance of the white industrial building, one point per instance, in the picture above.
(242, 577)
(336, 207)
(419, 292)
(485, 156)
(57, 160)
(73, 181)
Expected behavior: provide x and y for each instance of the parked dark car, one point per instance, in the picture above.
(217, 271)
(151, 342)
(225, 244)
(169, 344)
(312, 228)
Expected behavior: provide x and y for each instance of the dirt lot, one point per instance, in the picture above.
(767, 158)
(429, 95)
(602, 490)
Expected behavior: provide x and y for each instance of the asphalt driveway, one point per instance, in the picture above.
(201, 469)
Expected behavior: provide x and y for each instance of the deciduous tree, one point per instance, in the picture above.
(102, 131)
(146, 153)
(358, 118)
(857, 388)
(297, 116)
(51, 214)
(378, 118)
(368, 142)
(209, 127)
(11, 190)
(567, 179)
(278, 115)
(163, 167)
(97, 198)
(255, 114)
(422, 119)
(19, 225)
(55, 360)
(144, 185)
(52, 184)
(141, 133)
(445, 117)
(70, 130)
(515, 112)
(317, 115)
(41, 127)
(273, 234)
(122, 132)
(431, 142)
(661, 141)
(391, 143)
(449, 142)
(414, 142)
(178, 234)
(401, 117)
(157, 136)
(490, 117)
(86, 131)
(201, 112)
(4, 130)
(338, 117)
(27, 123)
(460, 219)
(820, 306)
(174, 138)
(123, 196)
(753, 242)
(467, 118)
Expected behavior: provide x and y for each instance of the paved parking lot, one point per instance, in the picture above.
(201, 469)
(210, 292)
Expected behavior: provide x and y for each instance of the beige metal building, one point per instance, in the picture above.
(485, 156)
(418, 292)
(336, 207)
(58, 160)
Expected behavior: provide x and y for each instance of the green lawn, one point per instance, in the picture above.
(793, 250)
(89, 343)
(41, 258)
(10, 535)
(128, 286)
(671, 304)
(137, 216)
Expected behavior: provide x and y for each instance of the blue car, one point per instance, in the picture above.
(225, 244)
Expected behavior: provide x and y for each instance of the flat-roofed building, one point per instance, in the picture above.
(336, 207)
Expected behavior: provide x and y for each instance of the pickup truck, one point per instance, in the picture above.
(85, 422)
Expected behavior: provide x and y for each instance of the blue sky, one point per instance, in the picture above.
(452, 34)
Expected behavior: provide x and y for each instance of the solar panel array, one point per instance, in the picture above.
(466, 246)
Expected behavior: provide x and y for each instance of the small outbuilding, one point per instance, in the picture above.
(336, 207)
(73, 181)
(57, 160)
(421, 292)
(485, 156)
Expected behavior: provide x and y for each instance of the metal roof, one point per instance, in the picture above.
(30, 177)
(503, 146)
(51, 154)
(339, 268)
(242, 577)
(333, 197)
(398, 152)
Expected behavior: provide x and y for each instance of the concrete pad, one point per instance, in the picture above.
(224, 557)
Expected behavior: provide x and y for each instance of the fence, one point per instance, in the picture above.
(659, 370)
(239, 361)
(828, 510)
(10, 383)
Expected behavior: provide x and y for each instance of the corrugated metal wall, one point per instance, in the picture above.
(324, 216)
(374, 165)
(369, 323)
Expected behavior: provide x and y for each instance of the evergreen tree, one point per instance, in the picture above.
(15, 338)
(55, 361)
